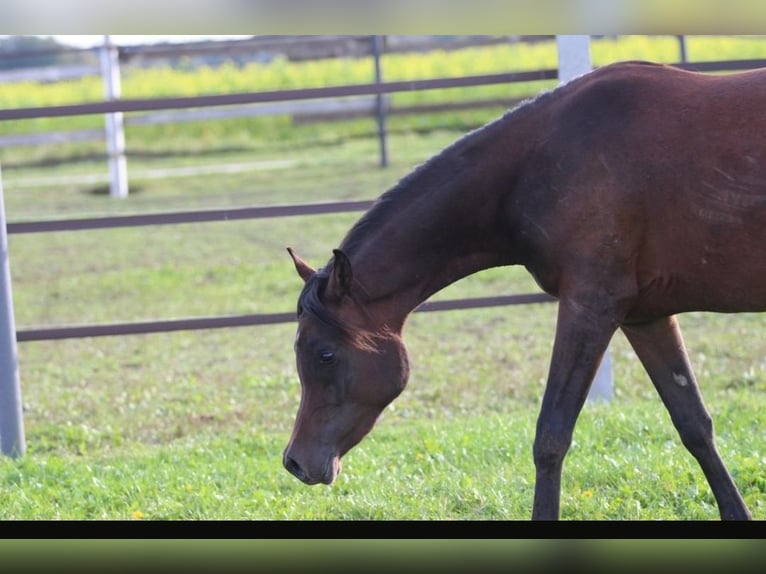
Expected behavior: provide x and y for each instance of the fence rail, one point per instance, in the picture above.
(247, 320)
(211, 215)
(197, 216)
(374, 89)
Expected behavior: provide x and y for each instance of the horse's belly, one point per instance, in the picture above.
(733, 289)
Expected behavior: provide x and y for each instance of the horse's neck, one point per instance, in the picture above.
(438, 236)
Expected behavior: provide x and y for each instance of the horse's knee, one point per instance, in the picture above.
(550, 446)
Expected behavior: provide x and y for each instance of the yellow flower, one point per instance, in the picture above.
(137, 515)
(588, 493)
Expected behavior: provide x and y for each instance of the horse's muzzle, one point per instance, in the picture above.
(327, 477)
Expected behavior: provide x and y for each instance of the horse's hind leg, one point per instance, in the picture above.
(660, 347)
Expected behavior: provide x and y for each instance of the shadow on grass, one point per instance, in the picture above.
(103, 190)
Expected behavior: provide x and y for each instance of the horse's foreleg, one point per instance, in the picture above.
(582, 337)
(660, 347)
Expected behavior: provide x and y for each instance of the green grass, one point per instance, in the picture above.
(625, 463)
(191, 425)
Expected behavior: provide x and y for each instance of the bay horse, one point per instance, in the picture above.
(631, 194)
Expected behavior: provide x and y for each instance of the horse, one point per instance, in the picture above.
(632, 194)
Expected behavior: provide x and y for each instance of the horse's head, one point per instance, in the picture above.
(349, 366)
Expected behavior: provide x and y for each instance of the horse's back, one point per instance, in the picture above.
(676, 160)
(641, 99)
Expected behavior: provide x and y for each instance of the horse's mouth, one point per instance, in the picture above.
(332, 470)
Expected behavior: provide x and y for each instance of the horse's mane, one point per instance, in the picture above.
(435, 173)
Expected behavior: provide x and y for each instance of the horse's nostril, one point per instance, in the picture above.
(294, 468)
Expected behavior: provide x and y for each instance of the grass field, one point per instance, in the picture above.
(191, 425)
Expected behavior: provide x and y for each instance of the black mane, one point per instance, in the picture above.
(433, 175)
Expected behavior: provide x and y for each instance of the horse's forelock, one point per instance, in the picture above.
(310, 302)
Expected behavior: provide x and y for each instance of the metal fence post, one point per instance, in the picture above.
(12, 440)
(115, 130)
(575, 60)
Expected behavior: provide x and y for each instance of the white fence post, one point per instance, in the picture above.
(115, 131)
(380, 102)
(12, 440)
(574, 60)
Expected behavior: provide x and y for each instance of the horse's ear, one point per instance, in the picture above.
(341, 275)
(303, 268)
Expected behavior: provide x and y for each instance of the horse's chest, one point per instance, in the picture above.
(545, 278)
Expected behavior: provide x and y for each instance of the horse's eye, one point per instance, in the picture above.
(326, 357)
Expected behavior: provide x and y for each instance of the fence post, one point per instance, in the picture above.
(682, 48)
(12, 440)
(380, 107)
(115, 131)
(574, 60)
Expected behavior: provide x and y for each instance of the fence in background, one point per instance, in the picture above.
(258, 48)
(376, 89)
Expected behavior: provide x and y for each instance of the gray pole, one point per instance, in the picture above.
(12, 441)
(574, 60)
(115, 131)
